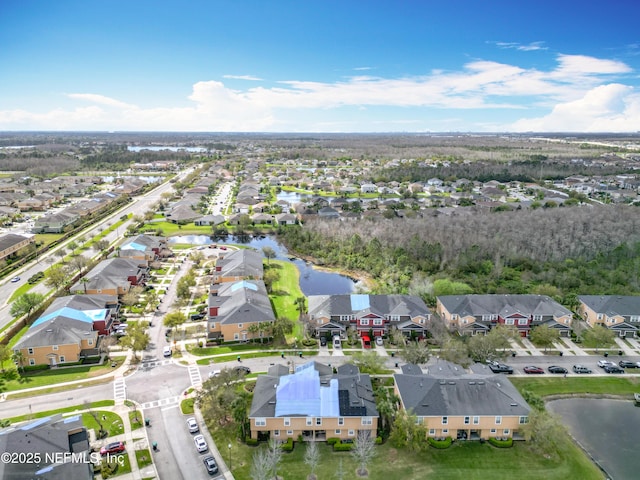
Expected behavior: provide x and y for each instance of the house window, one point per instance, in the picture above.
(509, 321)
(90, 341)
(287, 421)
(494, 317)
(634, 318)
(506, 431)
(464, 322)
(377, 321)
(454, 317)
(522, 321)
(498, 420)
(445, 431)
(276, 433)
(523, 420)
(537, 318)
(319, 421)
(367, 421)
(261, 422)
(309, 421)
(432, 431)
(30, 351)
(32, 362)
(351, 433)
(600, 316)
(419, 420)
(239, 325)
(212, 325)
(340, 421)
(338, 432)
(289, 432)
(445, 420)
(236, 336)
(364, 321)
(54, 347)
(476, 420)
(466, 420)
(493, 431)
(62, 360)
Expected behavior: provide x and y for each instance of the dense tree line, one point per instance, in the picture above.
(587, 250)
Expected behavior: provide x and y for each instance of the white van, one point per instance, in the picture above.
(166, 351)
(336, 341)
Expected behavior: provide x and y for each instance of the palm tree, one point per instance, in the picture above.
(18, 358)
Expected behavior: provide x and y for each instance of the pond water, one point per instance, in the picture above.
(313, 281)
(608, 429)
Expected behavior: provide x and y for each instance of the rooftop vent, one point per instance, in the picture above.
(443, 382)
(472, 383)
(514, 404)
(481, 382)
(452, 383)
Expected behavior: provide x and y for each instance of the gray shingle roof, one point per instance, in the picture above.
(241, 263)
(612, 305)
(402, 305)
(470, 394)
(245, 301)
(503, 305)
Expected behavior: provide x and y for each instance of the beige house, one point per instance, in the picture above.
(11, 243)
(462, 406)
(312, 402)
(620, 314)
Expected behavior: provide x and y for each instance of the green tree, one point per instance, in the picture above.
(312, 459)
(174, 319)
(18, 358)
(368, 362)
(270, 277)
(544, 336)
(137, 338)
(239, 408)
(599, 337)
(363, 451)
(456, 351)
(281, 328)
(407, 432)
(25, 304)
(5, 354)
(415, 352)
(56, 276)
(447, 287)
(269, 253)
(545, 433)
(387, 404)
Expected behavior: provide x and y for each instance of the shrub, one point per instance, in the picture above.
(440, 443)
(288, 445)
(342, 447)
(501, 443)
(332, 441)
(252, 442)
(378, 440)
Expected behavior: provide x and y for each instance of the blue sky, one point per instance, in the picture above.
(320, 66)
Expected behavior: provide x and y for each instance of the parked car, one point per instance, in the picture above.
(500, 368)
(214, 373)
(166, 351)
(604, 363)
(15, 279)
(379, 341)
(613, 369)
(581, 369)
(337, 343)
(531, 369)
(210, 465)
(192, 424)
(197, 316)
(201, 443)
(627, 364)
(323, 341)
(114, 447)
(557, 369)
(242, 369)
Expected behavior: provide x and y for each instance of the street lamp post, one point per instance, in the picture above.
(229, 447)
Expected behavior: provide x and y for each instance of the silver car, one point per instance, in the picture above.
(201, 443)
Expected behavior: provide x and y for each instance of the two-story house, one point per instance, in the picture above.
(368, 314)
(618, 313)
(313, 402)
(477, 314)
(113, 276)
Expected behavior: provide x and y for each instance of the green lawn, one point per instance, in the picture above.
(143, 457)
(110, 421)
(11, 381)
(585, 384)
(464, 461)
(74, 408)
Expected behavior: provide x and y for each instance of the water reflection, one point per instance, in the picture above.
(312, 280)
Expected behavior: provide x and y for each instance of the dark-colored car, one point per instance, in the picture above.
(323, 341)
(556, 369)
(533, 369)
(211, 465)
(500, 368)
(114, 447)
(242, 369)
(613, 369)
(627, 364)
(197, 316)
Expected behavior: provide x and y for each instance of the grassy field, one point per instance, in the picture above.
(285, 292)
(110, 421)
(578, 385)
(74, 408)
(464, 461)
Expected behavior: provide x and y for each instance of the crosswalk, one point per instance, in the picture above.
(154, 363)
(119, 390)
(165, 402)
(194, 376)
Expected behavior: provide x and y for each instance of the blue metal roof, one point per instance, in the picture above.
(88, 316)
(359, 302)
(134, 246)
(244, 284)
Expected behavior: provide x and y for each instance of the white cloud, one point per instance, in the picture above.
(243, 77)
(574, 91)
(523, 48)
(606, 108)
